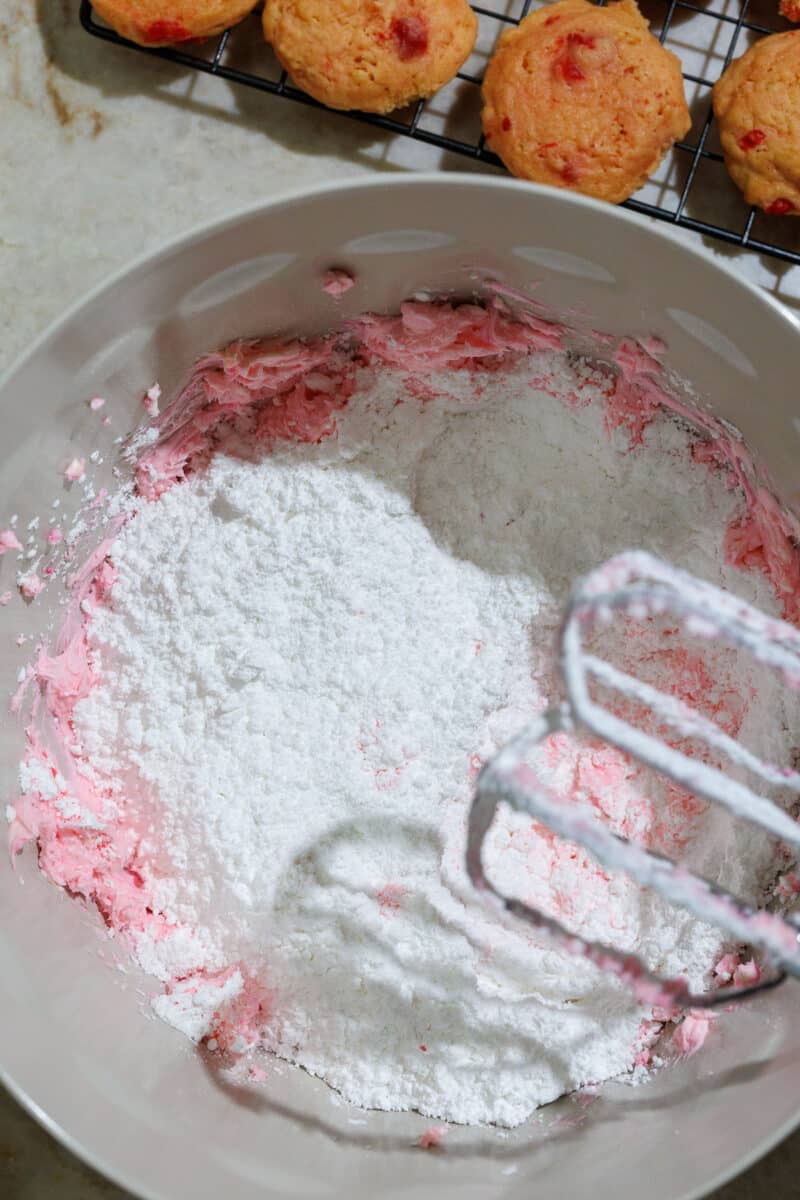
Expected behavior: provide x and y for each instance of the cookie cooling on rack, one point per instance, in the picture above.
(373, 55)
(757, 104)
(584, 98)
(166, 23)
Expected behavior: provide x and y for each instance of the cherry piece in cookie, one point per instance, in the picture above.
(584, 97)
(167, 23)
(568, 64)
(373, 55)
(749, 141)
(161, 31)
(779, 207)
(410, 35)
(757, 104)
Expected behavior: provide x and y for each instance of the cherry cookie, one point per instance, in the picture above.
(167, 22)
(585, 98)
(372, 55)
(757, 104)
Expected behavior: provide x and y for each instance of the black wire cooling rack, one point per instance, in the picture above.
(691, 188)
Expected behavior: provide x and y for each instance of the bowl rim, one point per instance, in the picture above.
(214, 225)
(693, 250)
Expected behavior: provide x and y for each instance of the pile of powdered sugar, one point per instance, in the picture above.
(307, 657)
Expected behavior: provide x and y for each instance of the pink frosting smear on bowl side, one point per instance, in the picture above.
(9, 541)
(421, 476)
(337, 281)
(432, 1137)
(692, 1032)
(75, 470)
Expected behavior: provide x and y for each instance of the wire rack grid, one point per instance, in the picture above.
(691, 188)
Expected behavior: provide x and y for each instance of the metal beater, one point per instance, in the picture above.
(639, 585)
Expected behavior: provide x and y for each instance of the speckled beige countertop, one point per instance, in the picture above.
(104, 154)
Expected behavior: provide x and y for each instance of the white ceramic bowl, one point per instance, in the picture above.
(129, 1094)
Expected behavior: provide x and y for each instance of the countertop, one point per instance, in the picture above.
(106, 153)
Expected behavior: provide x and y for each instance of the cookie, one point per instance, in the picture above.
(757, 104)
(166, 22)
(584, 98)
(372, 55)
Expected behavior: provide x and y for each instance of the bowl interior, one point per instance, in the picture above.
(130, 1094)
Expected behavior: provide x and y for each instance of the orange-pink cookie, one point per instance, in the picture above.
(757, 104)
(584, 98)
(373, 55)
(165, 22)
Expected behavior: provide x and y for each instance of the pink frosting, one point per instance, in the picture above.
(9, 541)
(389, 898)
(151, 399)
(788, 885)
(648, 1033)
(747, 974)
(742, 974)
(692, 1032)
(426, 337)
(765, 535)
(432, 1137)
(274, 390)
(30, 586)
(725, 967)
(238, 1023)
(763, 539)
(75, 470)
(336, 282)
(636, 397)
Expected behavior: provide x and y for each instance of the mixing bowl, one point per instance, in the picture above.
(129, 1094)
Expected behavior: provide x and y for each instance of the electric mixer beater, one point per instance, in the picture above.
(641, 586)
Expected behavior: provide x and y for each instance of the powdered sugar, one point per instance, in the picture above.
(308, 655)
